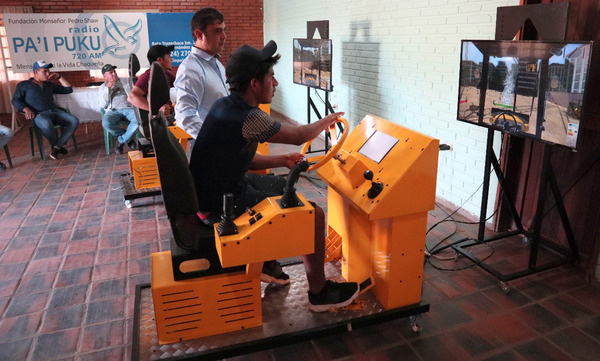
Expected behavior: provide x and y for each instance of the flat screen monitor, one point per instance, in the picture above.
(533, 89)
(312, 63)
(378, 146)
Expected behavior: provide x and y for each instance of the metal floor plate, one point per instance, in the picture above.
(286, 319)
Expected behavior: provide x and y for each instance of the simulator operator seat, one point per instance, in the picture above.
(191, 237)
(141, 114)
(225, 295)
(206, 299)
(143, 133)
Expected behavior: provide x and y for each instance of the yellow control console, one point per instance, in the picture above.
(271, 232)
(380, 189)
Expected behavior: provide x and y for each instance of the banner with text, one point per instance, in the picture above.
(88, 41)
(171, 29)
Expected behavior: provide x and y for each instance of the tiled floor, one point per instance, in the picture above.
(72, 254)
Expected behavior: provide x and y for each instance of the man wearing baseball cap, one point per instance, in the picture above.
(225, 150)
(35, 98)
(112, 97)
(161, 54)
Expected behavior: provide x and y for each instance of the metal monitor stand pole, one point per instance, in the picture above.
(547, 176)
(323, 27)
(328, 110)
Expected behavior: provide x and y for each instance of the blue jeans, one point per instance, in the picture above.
(111, 119)
(46, 121)
(5, 135)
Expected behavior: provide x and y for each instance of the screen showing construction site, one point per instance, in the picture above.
(534, 89)
(312, 63)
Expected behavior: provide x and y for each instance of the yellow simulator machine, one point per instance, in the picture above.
(381, 184)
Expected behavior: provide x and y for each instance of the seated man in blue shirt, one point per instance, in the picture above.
(225, 150)
(112, 97)
(35, 98)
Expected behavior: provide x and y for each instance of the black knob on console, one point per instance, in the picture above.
(376, 187)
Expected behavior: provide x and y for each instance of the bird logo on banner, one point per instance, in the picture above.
(122, 39)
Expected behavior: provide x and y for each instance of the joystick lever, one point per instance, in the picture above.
(376, 187)
(289, 199)
(226, 225)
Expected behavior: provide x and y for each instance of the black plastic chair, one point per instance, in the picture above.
(8, 155)
(108, 138)
(33, 129)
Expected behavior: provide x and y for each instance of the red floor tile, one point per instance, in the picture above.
(20, 327)
(542, 349)
(540, 318)
(102, 335)
(56, 344)
(36, 283)
(508, 328)
(576, 343)
(63, 318)
(26, 303)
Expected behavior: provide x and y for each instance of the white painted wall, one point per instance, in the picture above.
(399, 60)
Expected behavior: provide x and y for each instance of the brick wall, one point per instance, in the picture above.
(243, 18)
(397, 59)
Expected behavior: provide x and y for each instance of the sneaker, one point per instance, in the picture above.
(333, 295)
(132, 144)
(273, 273)
(54, 153)
(118, 146)
(63, 151)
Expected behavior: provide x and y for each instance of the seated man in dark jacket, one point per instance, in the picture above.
(35, 98)
(225, 150)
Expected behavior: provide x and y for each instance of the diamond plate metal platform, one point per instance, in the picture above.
(286, 320)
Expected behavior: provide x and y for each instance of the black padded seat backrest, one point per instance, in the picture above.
(134, 67)
(178, 188)
(176, 182)
(142, 115)
(193, 239)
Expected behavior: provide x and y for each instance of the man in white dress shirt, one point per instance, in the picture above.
(201, 78)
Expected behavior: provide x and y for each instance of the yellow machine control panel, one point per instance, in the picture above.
(402, 161)
(381, 186)
(264, 234)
